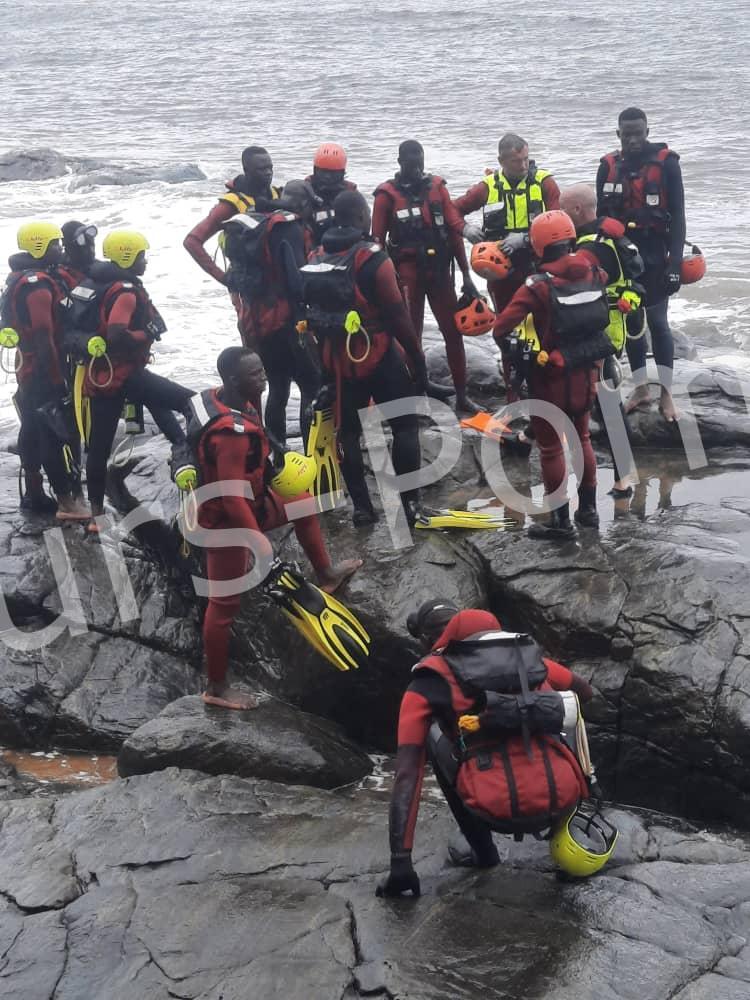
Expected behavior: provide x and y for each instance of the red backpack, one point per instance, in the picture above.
(511, 766)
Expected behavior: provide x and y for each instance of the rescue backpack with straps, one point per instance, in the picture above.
(250, 273)
(580, 317)
(337, 313)
(84, 308)
(511, 765)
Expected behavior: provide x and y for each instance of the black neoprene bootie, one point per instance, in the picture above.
(586, 515)
(558, 528)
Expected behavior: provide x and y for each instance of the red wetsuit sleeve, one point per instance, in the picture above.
(562, 679)
(551, 194)
(121, 316)
(391, 303)
(382, 212)
(455, 223)
(413, 726)
(42, 325)
(200, 234)
(524, 301)
(473, 200)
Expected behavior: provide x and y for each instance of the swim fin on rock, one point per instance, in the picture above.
(496, 429)
(426, 519)
(321, 445)
(330, 627)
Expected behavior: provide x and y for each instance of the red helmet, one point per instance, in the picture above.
(490, 262)
(329, 156)
(473, 316)
(548, 228)
(693, 266)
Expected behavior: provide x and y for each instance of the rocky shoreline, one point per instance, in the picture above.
(270, 864)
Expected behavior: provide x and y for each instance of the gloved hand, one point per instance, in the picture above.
(402, 878)
(513, 242)
(629, 301)
(469, 288)
(672, 281)
(595, 790)
(473, 233)
(581, 687)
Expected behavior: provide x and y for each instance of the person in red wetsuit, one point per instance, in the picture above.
(510, 199)
(327, 181)
(249, 191)
(568, 380)
(31, 301)
(350, 273)
(128, 323)
(232, 445)
(413, 217)
(428, 729)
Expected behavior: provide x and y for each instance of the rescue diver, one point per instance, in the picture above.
(383, 361)
(510, 199)
(443, 692)
(128, 323)
(79, 244)
(568, 303)
(265, 251)
(414, 218)
(641, 185)
(33, 293)
(230, 444)
(327, 181)
(606, 243)
(249, 191)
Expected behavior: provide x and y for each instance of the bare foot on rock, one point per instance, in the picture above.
(223, 696)
(331, 579)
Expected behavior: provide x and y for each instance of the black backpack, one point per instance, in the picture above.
(329, 291)
(245, 246)
(579, 309)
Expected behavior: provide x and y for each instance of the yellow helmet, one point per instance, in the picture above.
(122, 246)
(583, 843)
(297, 475)
(35, 237)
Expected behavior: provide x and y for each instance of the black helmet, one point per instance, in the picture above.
(429, 620)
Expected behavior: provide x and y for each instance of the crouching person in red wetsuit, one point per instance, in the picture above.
(484, 707)
(230, 444)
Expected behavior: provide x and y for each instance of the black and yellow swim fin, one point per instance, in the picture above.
(321, 445)
(468, 520)
(322, 619)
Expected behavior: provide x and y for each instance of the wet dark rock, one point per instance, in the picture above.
(178, 884)
(274, 741)
(482, 371)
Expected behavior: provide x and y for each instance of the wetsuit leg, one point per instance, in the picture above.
(355, 394)
(391, 380)
(662, 341)
(29, 438)
(162, 396)
(221, 564)
(37, 444)
(477, 832)
(414, 293)
(274, 353)
(270, 513)
(105, 414)
(442, 298)
(307, 376)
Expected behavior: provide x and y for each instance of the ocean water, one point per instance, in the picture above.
(148, 106)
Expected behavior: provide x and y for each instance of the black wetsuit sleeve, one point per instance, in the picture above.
(676, 209)
(288, 249)
(601, 176)
(427, 697)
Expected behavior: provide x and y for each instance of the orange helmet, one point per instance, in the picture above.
(473, 316)
(548, 228)
(693, 266)
(490, 262)
(329, 156)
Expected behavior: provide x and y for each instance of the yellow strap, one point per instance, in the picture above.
(78, 401)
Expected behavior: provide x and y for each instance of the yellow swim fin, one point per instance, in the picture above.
(327, 624)
(321, 445)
